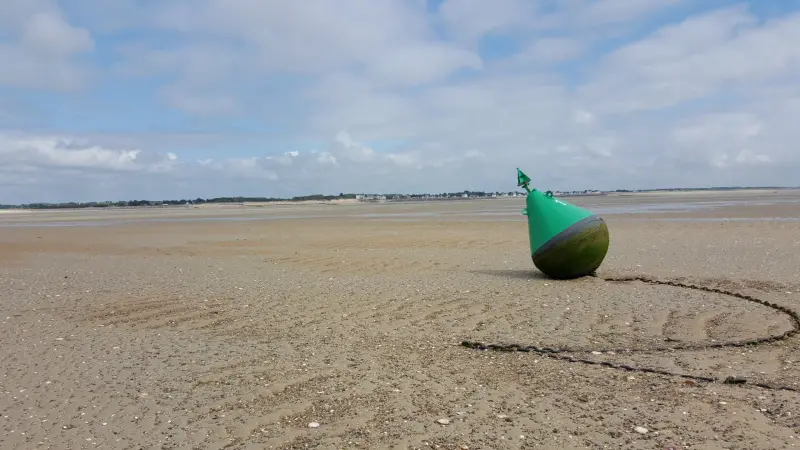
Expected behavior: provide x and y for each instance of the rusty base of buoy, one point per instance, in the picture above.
(575, 252)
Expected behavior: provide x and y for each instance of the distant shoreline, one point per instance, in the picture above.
(395, 198)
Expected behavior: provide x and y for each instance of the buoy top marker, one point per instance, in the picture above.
(523, 180)
(547, 215)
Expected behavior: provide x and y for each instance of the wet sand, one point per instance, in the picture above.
(236, 327)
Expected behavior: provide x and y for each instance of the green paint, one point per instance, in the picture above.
(548, 216)
(566, 241)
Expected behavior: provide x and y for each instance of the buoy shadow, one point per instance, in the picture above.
(519, 274)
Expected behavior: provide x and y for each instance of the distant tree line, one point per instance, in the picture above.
(224, 200)
(197, 201)
(322, 197)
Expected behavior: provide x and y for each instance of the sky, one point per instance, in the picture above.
(171, 99)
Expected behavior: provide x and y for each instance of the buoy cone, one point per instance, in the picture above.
(566, 241)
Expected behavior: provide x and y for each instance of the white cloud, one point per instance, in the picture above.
(550, 50)
(421, 64)
(69, 153)
(38, 47)
(471, 19)
(578, 93)
(602, 12)
(698, 57)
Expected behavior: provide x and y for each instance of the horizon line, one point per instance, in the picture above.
(355, 196)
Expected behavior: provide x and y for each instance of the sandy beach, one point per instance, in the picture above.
(238, 327)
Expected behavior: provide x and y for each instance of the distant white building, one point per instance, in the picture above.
(367, 197)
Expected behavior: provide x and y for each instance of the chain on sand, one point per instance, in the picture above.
(563, 354)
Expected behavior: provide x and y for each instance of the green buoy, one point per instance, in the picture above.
(566, 241)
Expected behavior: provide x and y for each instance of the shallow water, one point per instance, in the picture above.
(485, 210)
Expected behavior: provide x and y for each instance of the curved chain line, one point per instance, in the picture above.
(559, 353)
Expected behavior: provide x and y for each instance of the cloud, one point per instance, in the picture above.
(699, 57)
(244, 97)
(549, 50)
(55, 152)
(39, 49)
